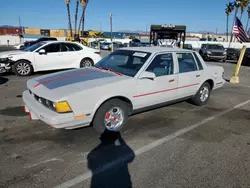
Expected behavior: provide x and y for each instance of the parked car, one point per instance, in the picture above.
(213, 52)
(19, 46)
(126, 81)
(246, 59)
(188, 46)
(105, 45)
(30, 43)
(233, 54)
(50, 55)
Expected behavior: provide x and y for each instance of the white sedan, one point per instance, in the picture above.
(50, 55)
(124, 82)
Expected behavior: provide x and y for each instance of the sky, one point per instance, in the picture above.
(127, 14)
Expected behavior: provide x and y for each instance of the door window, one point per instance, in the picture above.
(186, 62)
(162, 65)
(52, 48)
(73, 47)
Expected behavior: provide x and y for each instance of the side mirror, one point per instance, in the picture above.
(147, 75)
(42, 51)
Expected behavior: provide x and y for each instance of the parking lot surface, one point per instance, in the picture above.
(176, 146)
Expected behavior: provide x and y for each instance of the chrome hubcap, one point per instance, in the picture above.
(114, 118)
(23, 68)
(87, 63)
(204, 92)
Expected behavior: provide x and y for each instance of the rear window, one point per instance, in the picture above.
(198, 61)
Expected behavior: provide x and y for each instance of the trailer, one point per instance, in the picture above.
(162, 32)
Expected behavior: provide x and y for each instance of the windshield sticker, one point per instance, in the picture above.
(139, 54)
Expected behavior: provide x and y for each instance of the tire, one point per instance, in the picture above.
(197, 99)
(86, 62)
(22, 68)
(103, 116)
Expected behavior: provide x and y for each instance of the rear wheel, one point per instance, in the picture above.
(202, 96)
(22, 68)
(87, 62)
(111, 116)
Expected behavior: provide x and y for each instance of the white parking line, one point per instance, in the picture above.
(146, 148)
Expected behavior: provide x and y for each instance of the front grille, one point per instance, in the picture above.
(45, 102)
(217, 53)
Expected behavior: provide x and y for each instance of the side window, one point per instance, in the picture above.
(64, 48)
(162, 65)
(198, 61)
(186, 62)
(52, 48)
(73, 47)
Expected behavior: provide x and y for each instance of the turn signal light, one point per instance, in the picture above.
(62, 107)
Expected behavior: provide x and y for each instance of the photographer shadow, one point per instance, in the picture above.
(109, 162)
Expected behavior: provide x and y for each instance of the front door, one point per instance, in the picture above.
(189, 76)
(162, 88)
(51, 60)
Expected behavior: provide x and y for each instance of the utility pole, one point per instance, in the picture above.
(111, 30)
(21, 30)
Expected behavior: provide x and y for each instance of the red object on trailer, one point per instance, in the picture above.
(10, 30)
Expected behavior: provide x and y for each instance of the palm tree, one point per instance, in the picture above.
(236, 5)
(248, 17)
(229, 9)
(76, 14)
(84, 5)
(67, 2)
(243, 6)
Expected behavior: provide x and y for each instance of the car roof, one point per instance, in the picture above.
(156, 49)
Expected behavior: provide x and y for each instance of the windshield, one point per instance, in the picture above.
(217, 47)
(34, 47)
(124, 61)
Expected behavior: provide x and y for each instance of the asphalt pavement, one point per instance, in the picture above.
(181, 145)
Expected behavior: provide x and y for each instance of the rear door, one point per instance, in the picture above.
(189, 75)
(71, 57)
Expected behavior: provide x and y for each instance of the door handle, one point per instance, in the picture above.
(172, 80)
(198, 75)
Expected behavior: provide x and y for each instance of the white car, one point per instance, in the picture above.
(19, 46)
(124, 82)
(50, 55)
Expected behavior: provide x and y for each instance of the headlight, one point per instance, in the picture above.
(4, 59)
(225, 53)
(208, 52)
(62, 107)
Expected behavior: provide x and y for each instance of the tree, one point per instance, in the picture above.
(248, 17)
(67, 2)
(243, 6)
(84, 5)
(76, 14)
(236, 5)
(229, 9)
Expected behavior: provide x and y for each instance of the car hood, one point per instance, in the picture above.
(60, 85)
(10, 53)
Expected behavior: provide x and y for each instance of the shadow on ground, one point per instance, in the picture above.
(3, 80)
(109, 162)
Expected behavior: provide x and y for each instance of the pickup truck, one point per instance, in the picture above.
(125, 82)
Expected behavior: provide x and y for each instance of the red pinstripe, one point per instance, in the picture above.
(166, 90)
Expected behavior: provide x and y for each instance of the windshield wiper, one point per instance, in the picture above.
(108, 69)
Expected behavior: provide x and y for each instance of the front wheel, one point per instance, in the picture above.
(202, 96)
(111, 116)
(22, 68)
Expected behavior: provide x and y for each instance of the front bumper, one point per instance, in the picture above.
(54, 119)
(217, 57)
